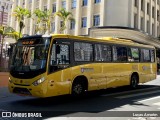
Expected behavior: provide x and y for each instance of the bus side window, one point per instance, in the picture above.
(119, 54)
(130, 59)
(135, 54)
(145, 55)
(53, 56)
(59, 57)
(62, 54)
(53, 66)
(152, 55)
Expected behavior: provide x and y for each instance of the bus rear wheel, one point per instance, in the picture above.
(134, 81)
(78, 88)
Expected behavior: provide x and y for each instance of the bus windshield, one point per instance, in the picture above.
(30, 55)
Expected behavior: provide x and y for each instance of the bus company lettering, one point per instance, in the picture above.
(145, 68)
(87, 70)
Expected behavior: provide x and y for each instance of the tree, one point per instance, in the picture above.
(45, 18)
(21, 13)
(65, 17)
(38, 13)
(7, 31)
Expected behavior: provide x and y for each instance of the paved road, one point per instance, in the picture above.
(4, 79)
(112, 104)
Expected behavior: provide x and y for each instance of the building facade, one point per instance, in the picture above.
(5, 15)
(5, 8)
(143, 15)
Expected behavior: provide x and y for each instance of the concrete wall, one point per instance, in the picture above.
(116, 13)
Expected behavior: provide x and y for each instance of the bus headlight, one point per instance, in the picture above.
(10, 80)
(38, 81)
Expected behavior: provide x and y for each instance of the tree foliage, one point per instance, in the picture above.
(65, 17)
(21, 13)
(45, 18)
(7, 31)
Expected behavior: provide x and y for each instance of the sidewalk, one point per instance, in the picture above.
(4, 79)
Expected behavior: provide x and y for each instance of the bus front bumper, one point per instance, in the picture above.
(36, 91)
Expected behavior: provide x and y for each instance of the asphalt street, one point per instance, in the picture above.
(112, 104)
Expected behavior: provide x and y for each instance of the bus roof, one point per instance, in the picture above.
(110, 40)
(102, 39)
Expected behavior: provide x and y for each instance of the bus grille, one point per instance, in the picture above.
(24, 91)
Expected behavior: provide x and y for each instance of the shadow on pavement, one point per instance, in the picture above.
(92, 102)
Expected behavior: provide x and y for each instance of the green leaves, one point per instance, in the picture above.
(8, 31)
(21, 13)
(43, 18)
(65, 16)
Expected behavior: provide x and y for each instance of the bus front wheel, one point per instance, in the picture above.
(134, 81)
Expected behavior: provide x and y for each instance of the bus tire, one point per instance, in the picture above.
(78, 88)
(134, 81)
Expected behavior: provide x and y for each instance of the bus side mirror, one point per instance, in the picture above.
(58, 49)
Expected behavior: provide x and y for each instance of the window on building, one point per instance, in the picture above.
(64, 4)
(145, 55)
(135, 21)
(103, 53)
(158, 15)
(45, 8)
(83, 51)
(153, 29)
(142, 5)
(53, 27)
(84, 22)
(153, 12)
(148, 8)
(84, 2)
(7, 7)
(148, 27)
(54, 8)
(158, 29)
(119, 54)
(97, 1)
(142, 23)
(72, 26)
(61, 23)
(96, 20)
(136, 3)
(23, 2)
(74, 4)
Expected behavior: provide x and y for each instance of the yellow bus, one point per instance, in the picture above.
(52, 65)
